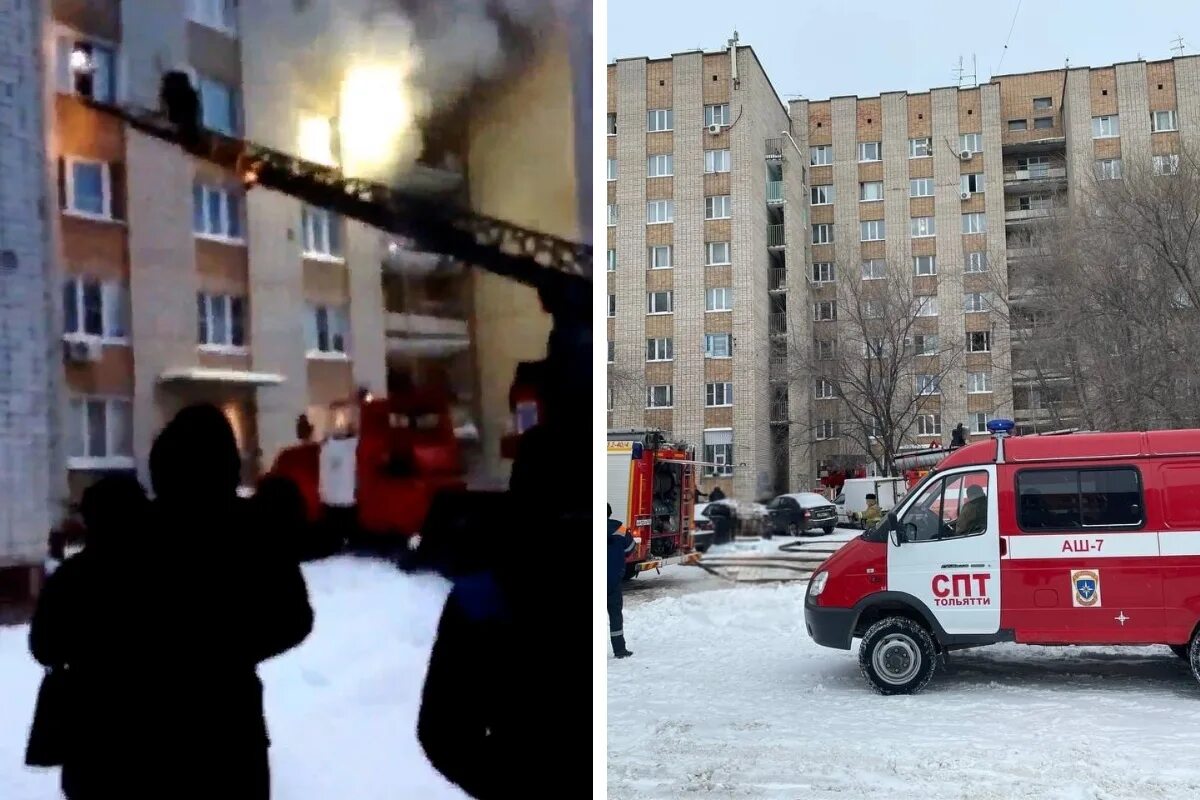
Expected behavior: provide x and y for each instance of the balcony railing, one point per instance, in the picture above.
(774, 149)
(778, 323)
(774, 191)
(779, 410)
(1023, 214)
(775, 235)
(778, 364)
(1035, 174)
(777, 279)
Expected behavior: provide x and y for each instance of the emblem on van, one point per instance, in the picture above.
(1085, 588)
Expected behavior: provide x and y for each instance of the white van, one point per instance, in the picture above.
(853, 498)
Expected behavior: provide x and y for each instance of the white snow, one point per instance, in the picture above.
(727, 696)
(341, 708)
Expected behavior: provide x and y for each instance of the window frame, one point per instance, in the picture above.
(338, 313)
(713, 164)
(110, 292)
(932, 272)
(220, 8)
(866, 225)
(611, 124)
(824, 150)
(977, 428)
(612, 259)
(970, 142)
(726, 393)
(661, 345)
(1173, 118)
(66, 41)
(711, 293)
(968, 303)
(923, 350)
(816, 192)
(660, 159)
(987, 340)
(935, 381)
(652, 260)
(825, 430)
(819, 304)
(106, 194)
(928, 224)
(1103, 173)
(650, 304)
(974, 216)
(862, 186)
(1016, 125)
(205, 191)
(923, 419)
(986, 382)
(969, 262)
(923, 181)
(871, 274)
(1039, 105)
(939, 483)
(823, 389)
(1157, 163)
(612, 170)
(710, 352)
(973, 182)
(109, 460)
(670, 396)
(612, 215)
(1038, 126)
(667, 206)
(913, 147)
(925, 302)
(708, 253)
(658, 116)
(227, 347)
(711, 114)
(612, 306)
(827, 227)
(233, 97)
(711, 203)
(864, 148)
(1098, 126)
(1107, 468)
(309, 217)
(818, 269)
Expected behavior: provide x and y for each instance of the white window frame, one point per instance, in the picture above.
(972, 182)
(612, 215)
(78, 404)
(824, 349)
(823, 390)
(106, 199)
(662, 349)
(1166, 164)
(863, 191)
(209, 300)
(928, 385)
(225, 213)
(1039, 105)
(822, 306)
(652, 309)
(663, 212)
(668, 396)
(612, 259)
(820, 155)
(917, 184)
(220, 15)
(717, 161)
(924, 265)
(822, 233)
(611, 122)
(872, 230)
(927, 305)
(654, 255)
(865, 149)
(716, 114)
(114, 310)
(970, 142)
(66, 41)
(719, 454)
(922, 227)
(970, 220)
(232, 94)
(976, 261)
(1106, 126)
(823, 272)
(926, 344)
(718, 299)
(1171, 121)
(821, 195)
(718, 390)
(874, 269)
(920, 143)
(710, 350)
(979, 383)
(929, 424)
(310, 220)
(825, 430)
(710, 250)
(1108, 169)
(659, 120)
(660, 165)
(612, 169)
(975, 303)
(987, 341)
(979, 423)
(337, 323)
(718, 202)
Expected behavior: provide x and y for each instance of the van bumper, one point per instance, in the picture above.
(830, 627)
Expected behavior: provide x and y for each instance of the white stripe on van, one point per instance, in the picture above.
(1179, 543)
(1086, 545)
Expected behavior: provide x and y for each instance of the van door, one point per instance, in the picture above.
(947, 551)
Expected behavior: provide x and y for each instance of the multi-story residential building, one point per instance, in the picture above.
(946, 183)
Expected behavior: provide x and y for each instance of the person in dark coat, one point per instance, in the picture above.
(716, 495)
(161, 623)
(958, 436)
(619, 543)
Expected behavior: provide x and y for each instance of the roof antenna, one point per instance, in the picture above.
(1177, 45)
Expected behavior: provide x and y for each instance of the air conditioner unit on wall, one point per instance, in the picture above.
(715, 128)
(964, 195)
(965, 155)
(82, 350)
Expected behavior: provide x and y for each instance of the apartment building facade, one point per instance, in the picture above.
(943, 186)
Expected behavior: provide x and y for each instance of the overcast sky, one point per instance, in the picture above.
(822, 48)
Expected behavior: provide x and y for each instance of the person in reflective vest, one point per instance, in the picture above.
(620, 542)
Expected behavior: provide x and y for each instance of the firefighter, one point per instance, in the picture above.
(620, 542)
(338, 480)
(973, 517)
(716, 495)
(873, 513)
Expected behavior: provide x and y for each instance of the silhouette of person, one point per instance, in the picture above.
(278, 505)
(161, 630)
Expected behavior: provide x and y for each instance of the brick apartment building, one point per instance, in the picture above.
(726, 243)
(150, 280)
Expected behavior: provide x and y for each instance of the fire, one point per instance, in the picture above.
(316, 140)
(377, 117)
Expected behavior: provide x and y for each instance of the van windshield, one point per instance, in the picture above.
(879, 532)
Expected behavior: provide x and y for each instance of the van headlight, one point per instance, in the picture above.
(817, 584)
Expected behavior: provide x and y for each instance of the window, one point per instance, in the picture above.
(1017, 125)
(1043, 123)
(99, 433)
(720, 299)
(927, 305)
(86, 68)
(1108, 169)
(823, 390)
(979, 342)
(660, 119)
(660, 396)
(610, 398)
(920, 187)
(979, 382)
(220, 321)
(971, 142)
(825, 429)
(660, 256)
(659, 350)
(979, 422)
(822, 272)
(216, 212)
(612, 124)
(825, 310)
(95, 308)
(718, 394)
(824, 349)
(1106, 127)
(870, 191)
(718, 207)
(660, 211)
(716, 114)
(612, 169)
(925, 344)
(716, 253)
(821, 155)
(219, 14)
(660, 166)
(1036, 166)
(220, 107)
(974, 223)
(921, 227)
(976, 261)
(822, 233)
(929, 384)
(1166, 165)
(874, 269)
(920, 148)
(716, 161)
(1163, 121)
(822, 195)
(88, 188)
(612, 305)
(612, 215)
(612, 355)
(871, 230)
(1040, 103)
(328, 330)
(612, 260)
(873, 348)
(924, 265)
(868, 151)
(659, 302)
(718, 452)
(1030, 202)
(872, 308)
(929, 424)
(322, 233)
(975, 302)
(972, 183)
(951, 507)
(718, 345)
(1062, 499)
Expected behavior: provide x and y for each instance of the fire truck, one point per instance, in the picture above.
(1076, 539)
(652, 489)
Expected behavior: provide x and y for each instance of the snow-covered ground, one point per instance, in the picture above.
(342, 707)
(726, 696)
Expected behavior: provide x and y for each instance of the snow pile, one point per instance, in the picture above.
(341, 708)
(765, 713)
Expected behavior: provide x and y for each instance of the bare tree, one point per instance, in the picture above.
(878, 362)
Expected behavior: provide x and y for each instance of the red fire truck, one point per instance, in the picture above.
(652, 489)
(1085, 538)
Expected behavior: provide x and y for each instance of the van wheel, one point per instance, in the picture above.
(898, 656)
(1181, 650)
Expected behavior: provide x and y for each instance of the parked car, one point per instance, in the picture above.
(801, 512)
(703, 529)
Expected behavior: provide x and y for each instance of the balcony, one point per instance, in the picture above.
(427, 330)
(778, 363)
(779, 411)
(404, 258)
(1026, 214)
(436, 175)
(1036, 174)
(775, 192)
(778, 323)
(774, 149)
(777, 279)
(775, 238)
